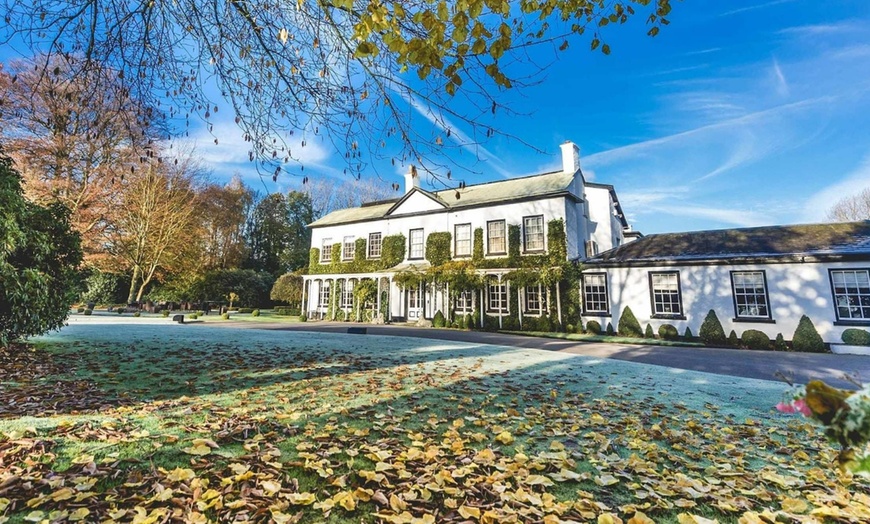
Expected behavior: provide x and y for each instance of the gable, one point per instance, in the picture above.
(416, 201)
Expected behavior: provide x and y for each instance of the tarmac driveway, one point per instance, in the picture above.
(765, 365)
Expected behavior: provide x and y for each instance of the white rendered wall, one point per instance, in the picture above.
(794, 289)
(604, 228)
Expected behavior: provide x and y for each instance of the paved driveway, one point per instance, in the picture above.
(736, 362)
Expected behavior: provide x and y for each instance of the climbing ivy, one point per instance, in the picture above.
(438, 247)
(477, 250)
(392, 253)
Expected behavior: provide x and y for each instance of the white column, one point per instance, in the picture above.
(378, 297)
(559, 303)
(520, 306)
(302, 305)
(501, 306)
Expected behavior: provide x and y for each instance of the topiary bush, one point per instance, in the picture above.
(806, 338)
(593, 327)
(779, 344)
(303, 318)
(668, 332)
(687, 334)
(193, 316)
(648, 332)
(461, 323)
(80, 309)
(255, 313)
(438, 320)
(755, 339)
(89, 312)
(246, 310)
(225, 316)
(856, 337)
(121, 311)
(137, 314)
(711, 332)
(733, 339)
(610, 331)
(628, 324)
(165, 313)
(469, 321)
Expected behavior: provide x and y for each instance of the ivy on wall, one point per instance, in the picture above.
(438, 247)
(392, 253)
(477, 250)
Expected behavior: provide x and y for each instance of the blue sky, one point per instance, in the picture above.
(739, 113)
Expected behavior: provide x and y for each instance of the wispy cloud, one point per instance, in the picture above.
(844, 26)
(852, 183)
(754, 7)
(703, 51)
(780, 83)
(737, 217)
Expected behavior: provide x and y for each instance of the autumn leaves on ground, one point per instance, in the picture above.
(165, 423)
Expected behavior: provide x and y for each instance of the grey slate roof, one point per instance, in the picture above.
(847, 239)
(473, 195)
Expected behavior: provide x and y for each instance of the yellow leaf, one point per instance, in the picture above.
(62, 494)
(3, 503)
(538, 480)
(505, 438)
(398, 505)
(283, 518)
(468, 512)
(606, 480)
(640, 518)
(83, 459)
(180, 475)
(687, 518)
(425, 519)
(270, 487)
(750, 517)
(301, 499)
(197, 449)
(609, 518)
(35, 516)
(794, 505)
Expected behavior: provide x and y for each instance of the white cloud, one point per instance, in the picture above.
(817, 206)
(756, 6)
(737, 217)
(823, 29)
(780, 83)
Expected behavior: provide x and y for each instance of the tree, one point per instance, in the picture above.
(300, 213)
(288, 289)
(151, 229)
(350, 71)
(327, 196)
(39, 256)
(72, 136)
(851, 208)
(221, 216)
(266, 234)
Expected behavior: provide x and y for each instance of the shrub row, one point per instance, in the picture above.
(287, 311)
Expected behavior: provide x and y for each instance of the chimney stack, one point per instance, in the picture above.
(412, 180)
(570, 157)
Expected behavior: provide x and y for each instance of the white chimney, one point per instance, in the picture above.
(412, 180)
(570, 157)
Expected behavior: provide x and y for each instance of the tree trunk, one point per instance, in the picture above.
(133, 284)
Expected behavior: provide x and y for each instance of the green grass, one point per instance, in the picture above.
(607, 338)
(311, 411)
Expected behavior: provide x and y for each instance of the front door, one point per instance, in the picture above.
(415, 304)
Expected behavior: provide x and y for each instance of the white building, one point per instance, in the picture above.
(762, 278)
(590, 213)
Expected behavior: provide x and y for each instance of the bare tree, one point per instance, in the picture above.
(328, 195)
(72, 137)
(152, 228)
(352, 72)
(851, 208)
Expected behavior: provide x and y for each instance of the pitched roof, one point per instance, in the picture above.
(771, 242)
(474, 195)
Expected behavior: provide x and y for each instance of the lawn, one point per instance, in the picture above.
(148, 421)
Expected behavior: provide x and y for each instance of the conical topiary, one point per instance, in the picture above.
(806, 338)
(779, 344)
(687, 334)
(628, 324)
(733, 339)
(610, 331)
(648, 332)
(711, 332)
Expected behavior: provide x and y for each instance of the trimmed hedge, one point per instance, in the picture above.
(754, 339)
(806, 338)
(89, 312)
(856, 337)
(628, 324)
(593, 327)
(687, 334)
(711, 332)
(733, 339)
(610, 331)
(255, 313)
(668, 332)
(648, 333)
(438, 320)
(779, 344)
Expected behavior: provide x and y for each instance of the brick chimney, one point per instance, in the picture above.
(570, 157)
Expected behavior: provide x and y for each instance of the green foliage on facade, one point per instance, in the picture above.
(557, 246)
(755, 339)
(360, 253)
(628, 324)
(438, 247)
(513, 245)
(711, 332)
(806, 338)
(392, 253)
(393, 250)
(477, 247)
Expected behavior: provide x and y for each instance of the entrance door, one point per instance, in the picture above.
(415, 304)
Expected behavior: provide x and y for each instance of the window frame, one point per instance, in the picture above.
(677, 316)
(327, 287)
(369, 253)
(411, 244)
(489, 250)
(502, 294)
(346, 295)
(755, 318)
(537, 289)
(464, 302)
(840, 321)
(456, 253)
(344, 248)
(543, 247)
(591, 312)
(324, 257)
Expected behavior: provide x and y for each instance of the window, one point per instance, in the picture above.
(595, 293)
(374, 245)
(750, 294)
(498, 300)
(462, 236)
(533, 233)
(591, 248)
(326, 250)
(495, 238)
(324, 294)
(347, 295)
(416, 239)
(414, 299)
(463, 301)
(851, 293)
(665, 290)
(533, 299)
(348, 248)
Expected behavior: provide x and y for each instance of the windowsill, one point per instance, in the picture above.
(499, 254)
(596, 314)
(326, 261)
(497, 311)
(347, 259)
(415, 258)
(852, 323)
(669, 317)
(533, 251)
(461, 256)
(755, 320)
(374, 258)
